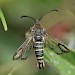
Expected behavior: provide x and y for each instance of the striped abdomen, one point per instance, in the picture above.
(39, 54)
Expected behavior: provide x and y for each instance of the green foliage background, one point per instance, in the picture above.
(13, 38)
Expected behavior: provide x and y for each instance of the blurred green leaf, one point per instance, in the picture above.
(3, 20)
(64, 67)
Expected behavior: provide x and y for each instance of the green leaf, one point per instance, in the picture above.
(64, 66)
(3, 20)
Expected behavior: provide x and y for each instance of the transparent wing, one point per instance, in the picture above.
(23, 50)
(57, 47)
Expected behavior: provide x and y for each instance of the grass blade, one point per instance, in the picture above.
(64, 66)
(3, 20)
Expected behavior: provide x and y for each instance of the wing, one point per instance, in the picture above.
(24, 49)
(57, 47)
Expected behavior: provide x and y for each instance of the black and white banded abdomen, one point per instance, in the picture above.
(39, 54)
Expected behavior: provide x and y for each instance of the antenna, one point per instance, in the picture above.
(29, 17)
(47, 13)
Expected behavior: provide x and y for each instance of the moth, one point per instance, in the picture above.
(39, 39)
